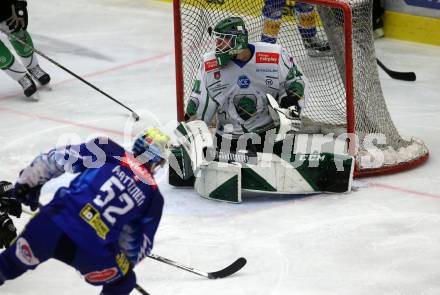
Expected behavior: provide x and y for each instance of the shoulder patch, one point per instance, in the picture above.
(210, 65)
(267, 58)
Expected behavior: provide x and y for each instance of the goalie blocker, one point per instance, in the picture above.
(220, 173)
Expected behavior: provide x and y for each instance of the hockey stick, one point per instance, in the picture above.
(225, 272)
(141, 290)
(405, 76)
(11, 36)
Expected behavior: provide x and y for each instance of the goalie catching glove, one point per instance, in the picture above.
(288, 119)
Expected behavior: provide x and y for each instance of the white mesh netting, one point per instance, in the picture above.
(326, 100)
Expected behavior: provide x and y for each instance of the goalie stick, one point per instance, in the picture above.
(405, 76)
(225, 272)
(11, 36)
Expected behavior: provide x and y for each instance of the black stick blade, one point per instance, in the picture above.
(229, 270)
(141, 290)
(404, 76)
(135, 116)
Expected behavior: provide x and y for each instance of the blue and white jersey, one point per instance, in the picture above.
(112, 192)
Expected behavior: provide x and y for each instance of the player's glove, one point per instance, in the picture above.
(8, 232)
(292, 99)
(19, 16)
(29, 196)
(8, 202)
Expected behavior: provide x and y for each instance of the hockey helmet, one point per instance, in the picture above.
(230, 37)
(152, 147)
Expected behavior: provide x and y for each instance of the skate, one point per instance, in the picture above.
(316, 47)
(28, 86)
(40, 75)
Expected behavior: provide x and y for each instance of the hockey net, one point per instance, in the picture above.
(344, 92)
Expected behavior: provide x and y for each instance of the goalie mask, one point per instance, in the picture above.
(230, 37)
(152, 147)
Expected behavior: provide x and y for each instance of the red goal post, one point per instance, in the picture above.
(355, 105)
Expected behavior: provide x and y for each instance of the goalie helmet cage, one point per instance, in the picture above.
(344, 92)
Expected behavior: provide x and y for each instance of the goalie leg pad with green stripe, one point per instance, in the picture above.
(180, 171)
(220, 181)
(194, 138)
(301, 174)
(309, 173)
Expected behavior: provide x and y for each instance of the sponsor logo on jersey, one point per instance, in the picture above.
(218, 87)
(123, 263)
(243, 82)
(267, 58)
(211, 65)
(217, 75)
(24, 253)
(267, 70)
(102, 276)
(92, 216)
(269, 82)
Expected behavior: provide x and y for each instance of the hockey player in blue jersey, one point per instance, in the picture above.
(104, 222)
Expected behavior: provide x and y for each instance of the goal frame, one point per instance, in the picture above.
(350, 108)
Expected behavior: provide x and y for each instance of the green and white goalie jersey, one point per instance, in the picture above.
(237, 91)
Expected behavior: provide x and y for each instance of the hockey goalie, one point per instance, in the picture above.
(254, 93)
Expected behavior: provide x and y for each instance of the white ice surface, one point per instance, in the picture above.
(383, 238)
